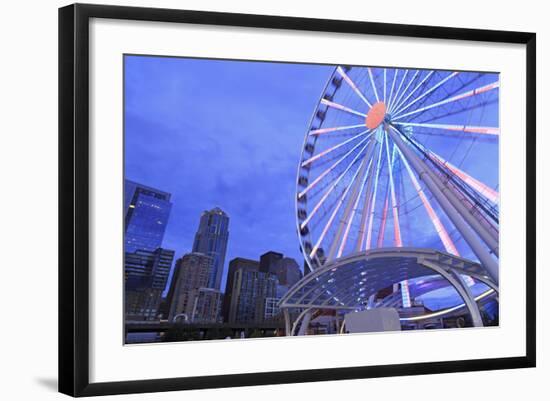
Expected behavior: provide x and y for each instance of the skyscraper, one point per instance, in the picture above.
(211, 239)
(142, 304)
(249, 292)
(192, 272)
(145, 273)
(234, 265)
(287, 271)
(268, 260)
(146, 215)
(147, 269)
(204, 306)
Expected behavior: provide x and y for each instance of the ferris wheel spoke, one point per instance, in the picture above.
(372, 83)
(396, 228)
(439, 228)
(333, 148)
(352, 85)
(398, 92)
(333, 129)
(350, 215)
(427, 92)
(373, 201)
(414, 90)
(461, 96)
(331, 168)
(331, 188)
(480, 187)
(392, 87)
(384, 97)
(335, 211)
(365, 209)
(460, 128)
(398, 99)
(340, 107)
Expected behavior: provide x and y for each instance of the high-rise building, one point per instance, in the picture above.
(250, 289)
(147, 269)
(268, 261)
(146, 216)
(142, 304)
(211, 239)
(146, 273)
(234, 265)
(204, 305)
(271, 308)
(192, 271)
(287, 271)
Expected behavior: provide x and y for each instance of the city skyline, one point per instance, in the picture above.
(157, 110)
(218, 220)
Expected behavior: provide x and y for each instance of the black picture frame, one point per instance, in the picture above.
(74, 198)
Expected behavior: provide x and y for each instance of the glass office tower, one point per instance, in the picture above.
(146, 215)
(147, 269)
(211, 239)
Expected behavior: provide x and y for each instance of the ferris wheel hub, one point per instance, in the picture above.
(376, 115)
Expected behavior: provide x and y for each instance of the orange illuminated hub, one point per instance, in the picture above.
(376, 115)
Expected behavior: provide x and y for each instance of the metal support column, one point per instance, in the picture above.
(350, 202)
(486, 234)
(366, 210)
(305, 324)
(286, 315)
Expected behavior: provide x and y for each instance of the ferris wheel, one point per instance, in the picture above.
(398, 157)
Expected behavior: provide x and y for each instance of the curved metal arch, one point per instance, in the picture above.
(374, 253)
(454, 278)
(449, 267)
(485, 280)
(315, 274)
(344, 278)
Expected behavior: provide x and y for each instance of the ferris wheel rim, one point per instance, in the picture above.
(400, 105)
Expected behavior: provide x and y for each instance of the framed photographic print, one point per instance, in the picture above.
(279, 199)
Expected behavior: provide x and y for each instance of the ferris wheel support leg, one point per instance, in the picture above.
(487, 232)
(462, 221)
(365, 213)
(350, 203)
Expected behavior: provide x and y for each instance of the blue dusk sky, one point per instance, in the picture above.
(229, 134)
(218, 133)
